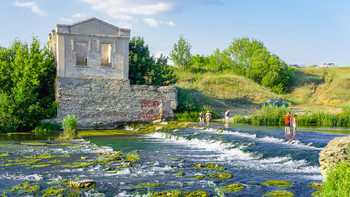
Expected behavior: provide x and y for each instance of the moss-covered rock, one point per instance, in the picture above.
(25, 188)
(279, 193)
(318, 186)
(34, 143)
(40, 166)
(82, 184)
(220, 175)
(4, 154)
(198, 193)
(232, 187)
(198, 177)
(173, 193)
(53, 192)
(148, 185)
(209, 166)
(179, 173)
(283, 184)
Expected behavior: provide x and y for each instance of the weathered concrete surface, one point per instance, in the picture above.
(334, 153)
(66, 40)
(107, 103)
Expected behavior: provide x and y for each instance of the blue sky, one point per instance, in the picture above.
(303, 32)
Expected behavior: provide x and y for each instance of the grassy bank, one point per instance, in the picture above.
(272, 115)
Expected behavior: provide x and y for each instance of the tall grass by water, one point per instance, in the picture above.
(70, 127)
(268, 115)
(273, 115)
(338, 181)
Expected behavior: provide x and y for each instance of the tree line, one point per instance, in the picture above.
(244, 56)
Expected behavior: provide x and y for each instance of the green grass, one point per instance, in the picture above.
(70, 127)
(338, 181)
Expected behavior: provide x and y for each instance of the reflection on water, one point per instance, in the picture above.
(252, 154)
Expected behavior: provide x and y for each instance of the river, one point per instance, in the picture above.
(251, 154)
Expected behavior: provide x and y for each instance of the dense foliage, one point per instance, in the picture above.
(27, 92)
(244, 56)
(147, 70)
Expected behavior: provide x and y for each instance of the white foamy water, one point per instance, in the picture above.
(242, 160)
(265, 139)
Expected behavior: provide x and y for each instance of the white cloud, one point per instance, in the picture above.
(32, 5)
(151, 22)
(66, 20)
(126, 9)
(78, 15)
(171, 23)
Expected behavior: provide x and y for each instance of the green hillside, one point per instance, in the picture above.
(313, 89)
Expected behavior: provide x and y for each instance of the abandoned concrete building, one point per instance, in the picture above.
(92, 59)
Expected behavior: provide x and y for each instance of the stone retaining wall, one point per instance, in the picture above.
(108, 103)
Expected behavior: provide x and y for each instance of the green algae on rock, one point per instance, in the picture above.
(55, 161)
(198, 177)
(220, 175)
(281, 193)
(198, 193)
(25, 188)
(318, 186)
(40, 166)
(53, 192)
(283, 184)
(173, 193)
(232, 187)
(34, 143)
(148, 185)
(179, 173)
(209, 166)
(4, 154)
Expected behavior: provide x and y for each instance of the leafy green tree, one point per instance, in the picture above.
(181, 53)
(145, 69)
(27, 92)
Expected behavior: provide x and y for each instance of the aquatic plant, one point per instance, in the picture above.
(220, 193)
(283, 184)
(338, 180)
(40, 165)
(198, 177)
(279, 193)
(70, 127)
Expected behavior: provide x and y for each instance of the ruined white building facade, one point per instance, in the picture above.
(92, 59)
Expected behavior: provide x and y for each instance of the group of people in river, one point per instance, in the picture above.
(207, 117)
(289, 120)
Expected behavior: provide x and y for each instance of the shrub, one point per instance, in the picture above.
(338, 181)
(70, 127)
(46, 127)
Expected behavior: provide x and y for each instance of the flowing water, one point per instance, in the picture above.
(251, 154)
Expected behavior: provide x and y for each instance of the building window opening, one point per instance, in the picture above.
(81, 48)
(106, 55)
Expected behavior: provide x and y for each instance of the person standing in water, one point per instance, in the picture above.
(227, 116)
(287, 128)
(201, 118)
(295, 125)
(207, 117)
